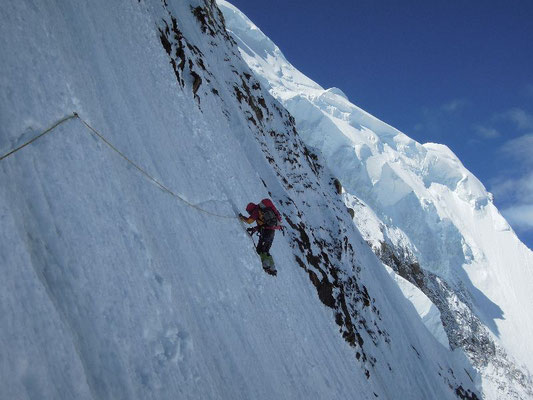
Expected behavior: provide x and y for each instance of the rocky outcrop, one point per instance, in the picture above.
(323, 249)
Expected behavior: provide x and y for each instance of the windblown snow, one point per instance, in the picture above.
(116, 289)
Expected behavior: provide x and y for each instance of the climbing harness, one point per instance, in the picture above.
(112, 147)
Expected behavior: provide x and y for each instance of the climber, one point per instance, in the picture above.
(267, 219)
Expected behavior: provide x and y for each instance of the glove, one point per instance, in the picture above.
(251, 231)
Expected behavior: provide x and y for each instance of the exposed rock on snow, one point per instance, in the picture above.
(112, 289)
(431, 220)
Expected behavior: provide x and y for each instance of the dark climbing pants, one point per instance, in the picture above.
(266, 237)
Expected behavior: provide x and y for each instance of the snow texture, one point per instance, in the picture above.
(423, 205)
(113, 289)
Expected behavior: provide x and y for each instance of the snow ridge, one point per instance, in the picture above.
(114, 290)
(431, 220)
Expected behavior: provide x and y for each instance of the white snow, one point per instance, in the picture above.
(429, 313)
(113, 289)
(451, 223)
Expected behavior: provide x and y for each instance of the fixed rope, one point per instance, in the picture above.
(73, 115)
(112, 147)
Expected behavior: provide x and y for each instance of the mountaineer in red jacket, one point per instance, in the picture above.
(267, 218)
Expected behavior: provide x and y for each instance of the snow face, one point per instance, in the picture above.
(113, 289)
(429, 313)
(448, 220)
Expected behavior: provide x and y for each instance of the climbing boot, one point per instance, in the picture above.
(268, 263)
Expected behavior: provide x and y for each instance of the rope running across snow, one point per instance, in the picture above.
(74, 115)
(112, 147)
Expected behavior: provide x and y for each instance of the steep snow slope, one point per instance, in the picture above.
(113, 289)
(472, 262)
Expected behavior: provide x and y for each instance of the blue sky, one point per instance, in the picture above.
(453, 72)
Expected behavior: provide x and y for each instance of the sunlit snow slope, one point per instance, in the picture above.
(439, 214)
(114, 289)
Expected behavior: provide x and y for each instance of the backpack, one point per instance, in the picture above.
(271, 215)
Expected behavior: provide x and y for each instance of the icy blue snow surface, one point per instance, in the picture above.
(111, 288)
